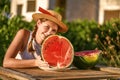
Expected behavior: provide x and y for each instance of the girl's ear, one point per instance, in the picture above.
(38, 22)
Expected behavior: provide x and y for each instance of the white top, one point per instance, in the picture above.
(27, 55)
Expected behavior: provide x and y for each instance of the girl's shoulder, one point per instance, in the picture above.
(22, 35)
(23, 32)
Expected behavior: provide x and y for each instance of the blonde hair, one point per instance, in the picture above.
(30, 45)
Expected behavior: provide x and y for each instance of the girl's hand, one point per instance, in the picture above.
(40, 63)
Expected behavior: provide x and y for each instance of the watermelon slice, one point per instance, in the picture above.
(86, 59)
(57, 51)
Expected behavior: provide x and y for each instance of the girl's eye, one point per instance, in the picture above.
(54, 31)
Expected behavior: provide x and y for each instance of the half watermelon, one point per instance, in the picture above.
(86, 59)
(57, 51)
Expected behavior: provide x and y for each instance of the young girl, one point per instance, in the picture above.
(21, 52)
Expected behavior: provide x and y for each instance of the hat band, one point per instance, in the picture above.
(45, 12)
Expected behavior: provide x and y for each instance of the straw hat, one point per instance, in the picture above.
(51, 15)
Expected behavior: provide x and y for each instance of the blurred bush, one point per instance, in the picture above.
(81, 34)
(108, 40)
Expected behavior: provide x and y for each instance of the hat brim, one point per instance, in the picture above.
(62, 26)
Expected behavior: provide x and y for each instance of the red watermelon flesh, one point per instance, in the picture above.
(57, 51)
(87, 52)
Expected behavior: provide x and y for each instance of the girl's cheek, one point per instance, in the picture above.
(44, 30)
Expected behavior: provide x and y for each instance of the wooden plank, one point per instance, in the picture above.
(3, 77)
(108, 69)
(15, 74)
(71, 74)
(37, 74)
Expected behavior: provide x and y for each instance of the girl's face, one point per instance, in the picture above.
(45, 29)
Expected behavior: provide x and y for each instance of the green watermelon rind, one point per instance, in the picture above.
(69, 43)
(81, 63)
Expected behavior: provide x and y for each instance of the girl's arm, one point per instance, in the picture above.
(18, 44)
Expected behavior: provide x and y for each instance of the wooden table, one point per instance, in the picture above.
(37, 74)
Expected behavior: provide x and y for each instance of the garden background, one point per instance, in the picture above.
(83, 34)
